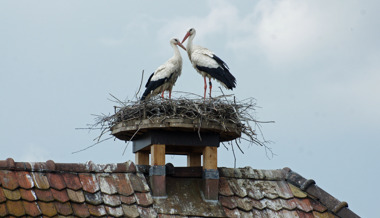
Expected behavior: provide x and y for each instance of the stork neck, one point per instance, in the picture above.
(189, 45)
(176, 51)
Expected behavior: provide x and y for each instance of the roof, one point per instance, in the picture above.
(122, 189)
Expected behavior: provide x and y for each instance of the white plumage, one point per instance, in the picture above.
(208, 64)
(165, 75)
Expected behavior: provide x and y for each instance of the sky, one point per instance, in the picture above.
(312, 66)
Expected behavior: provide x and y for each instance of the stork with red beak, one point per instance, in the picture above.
(165, 75)
(208, 64)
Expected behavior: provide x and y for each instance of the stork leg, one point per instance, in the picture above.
(210, 84)
(205, 87)
(162, 95)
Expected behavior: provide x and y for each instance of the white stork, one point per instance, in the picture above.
(165, 75)
(208, 64)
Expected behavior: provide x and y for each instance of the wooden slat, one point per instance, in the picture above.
(210, 158)
(157, 154)
(142, 158)
(194, 160)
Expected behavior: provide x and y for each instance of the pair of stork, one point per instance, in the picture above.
(203, 60)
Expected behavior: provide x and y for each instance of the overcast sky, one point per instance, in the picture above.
(312, 66)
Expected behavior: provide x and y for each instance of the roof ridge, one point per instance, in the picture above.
(309, 186)
(51, 166)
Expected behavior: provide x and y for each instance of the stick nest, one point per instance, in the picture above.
(224, 109)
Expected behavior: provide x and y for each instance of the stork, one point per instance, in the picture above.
(208, 64)
(165, 75)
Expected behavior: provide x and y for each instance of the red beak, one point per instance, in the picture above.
(186, 36)
(180, 44)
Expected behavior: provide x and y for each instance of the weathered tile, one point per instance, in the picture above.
(93, 198)
(138, 183)
(123, 184)
(2, 196)
(130, 210)
(47, 209)
(60, 196)
(302, 214)
(8, 179)
(246, 214)
(111, 200)
(229, 172)
(63, 208)
(144, 199)
(15, 208)
(266, 188)
(317, 206)
(76, 196)
(288, 214)
(107, 184)
(44, 195)
(147, 212)
(114, 211)
(224, 187)
(12, 195)
(80, 210)
(228, 202)
(56, 181)
(89, 182)
(128, 199)
(28, 195)
(297, 192)
(3, 210)
(289, 204)
(260, 213)
(24, 179)
(273, 175)
(98, 210)
(72, 181)
(254, 190)
(232, 213)
(238, 187)
(304, 204)
(284, 190)
(316, 214)
(40, 180)
(275, 204)
(257, 204)
(244, 203)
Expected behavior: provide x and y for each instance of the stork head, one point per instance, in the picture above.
(191, 32)
(175, 41)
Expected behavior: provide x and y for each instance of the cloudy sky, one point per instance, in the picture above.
(312, 66)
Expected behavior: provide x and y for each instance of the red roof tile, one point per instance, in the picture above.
(25, 180)
(72, 181)
(56, 181)
(60, 196)
(44, 195)
(89, 182)
(84, 190)
(8, 179)
(40, 180)
(28, 195)
(31, 208)
(63, 208)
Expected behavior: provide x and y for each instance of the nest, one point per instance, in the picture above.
(223, 110)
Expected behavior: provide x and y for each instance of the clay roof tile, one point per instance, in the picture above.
(111, 200)
(2, 196)
(96, 210)
(130, 210)
(80, 210)
(114, 211)
(138, 182)
(40, 180)
(8, 179)
(228, 202)
(93, 198)
(146, 212)
(44, 195)
(27, 194)
(63, 208)
(224, 187)
(3, 210)
(72, 181)
(24, 179)
(107, 184)
(15, 208)
(47, 208)
(128, 199)
(89, 182)
(12, 195)
(56, 181)
(123, 184)
(76, 196)
(31, 208)
(60, 196)
(144, 199)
